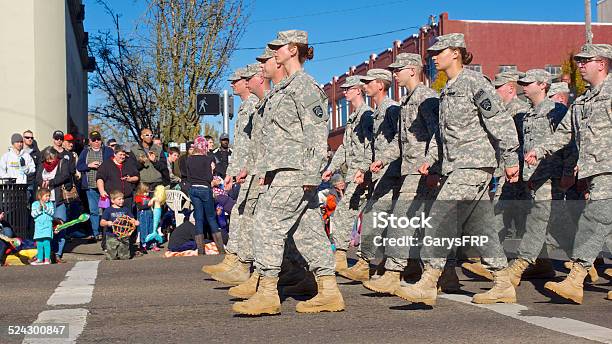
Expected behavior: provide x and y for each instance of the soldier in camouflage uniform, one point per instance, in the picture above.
(418, 124)
(297, 119)
(240, 168)
(559, 92)
(470, 113)
(506, 196)
(387, 187)
(235, 261)
(590, 122)
(354, 150)
(539, 123)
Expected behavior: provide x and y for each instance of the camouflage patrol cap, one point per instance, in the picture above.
(505, 77)
(352, 81)
(289, 36)
(591, 50)
(237, 75)
(535, 75)
(451, 40)
(404, 60)
(267, 54)
(558, 87)
(376, 74)
(250, 70)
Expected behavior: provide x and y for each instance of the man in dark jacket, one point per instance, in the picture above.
(151, 160)
(222, 155)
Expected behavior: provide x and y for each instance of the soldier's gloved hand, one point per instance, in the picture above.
(424, 169)
(359, 177)
(566, 182)
(376, 166)
(531, 158)
(512, 174)
(326, 176)
(433, 181)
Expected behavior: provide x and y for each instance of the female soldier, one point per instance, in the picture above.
(472, 120)
(295, 135)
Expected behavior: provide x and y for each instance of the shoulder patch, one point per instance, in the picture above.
(486, 104)
(318, 111)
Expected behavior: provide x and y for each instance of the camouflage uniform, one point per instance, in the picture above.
(352, 152)
(539, 124)
(470, 112)
(294, 133)
(239, 241)
(387, 187)
(590, 121)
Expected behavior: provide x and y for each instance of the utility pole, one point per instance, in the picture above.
(587, 21)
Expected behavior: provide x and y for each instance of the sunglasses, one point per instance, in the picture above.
(58, 138)
(148, 135)
(28, 137)
(584, 61)
(96, 140)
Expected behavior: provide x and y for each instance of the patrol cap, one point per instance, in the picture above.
(352, 81)
(250, 70)
(289, 36)
(404, 60)
(237, 75)
(591, 50)
(267, 54)
(376, 74)
(535, 75)
(558, 87)
(505, 77)
(451, 40)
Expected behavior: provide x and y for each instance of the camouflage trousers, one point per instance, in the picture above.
(286, 211)
(117, 249)
(538, 216)
(346, 214)
(240, 240)
(463, 209)
(595, 224)
(400, 196)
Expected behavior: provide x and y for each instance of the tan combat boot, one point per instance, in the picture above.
(264, 301)
(425, 290)
(341, 263)
(307, 286)
(571, 287)
(449, 281)
(328, 299)
(542, 269)
(228, 262)
(246, 289)
(516, 269)
(474, 265)
(608, 272)
(609, 295)
(413, 270)
(502, 291)
(592, 271)
(358, 272)
(386, 284)
(238, 274)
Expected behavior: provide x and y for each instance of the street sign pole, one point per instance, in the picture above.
(225, 113)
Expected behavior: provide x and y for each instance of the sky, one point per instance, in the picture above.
(326, 20)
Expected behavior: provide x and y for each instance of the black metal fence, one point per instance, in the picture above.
(14, 202)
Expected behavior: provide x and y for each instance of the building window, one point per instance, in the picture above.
(403, 91)
(475, 68)
(368, 100)
(430, 70)
(330, 110)
(507, 68)
(342, 112)
(553, 70)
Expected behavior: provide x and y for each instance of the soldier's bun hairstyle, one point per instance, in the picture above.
(305, 52)
(466, 56)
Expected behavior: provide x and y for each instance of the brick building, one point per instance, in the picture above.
(496, 45)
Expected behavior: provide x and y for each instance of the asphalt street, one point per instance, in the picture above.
(167, 300)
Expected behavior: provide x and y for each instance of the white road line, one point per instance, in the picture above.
(76, 289)
(78, 286)
(75, 318)
(563, 325)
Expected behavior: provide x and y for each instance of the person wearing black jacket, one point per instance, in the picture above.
(6, 230)
(222, 155)
(120, 174)
(31, 147)
(56, 175)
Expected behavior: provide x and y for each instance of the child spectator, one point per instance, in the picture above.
(116, 247)
(144, 214)
(328, 199)
(42, 212)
